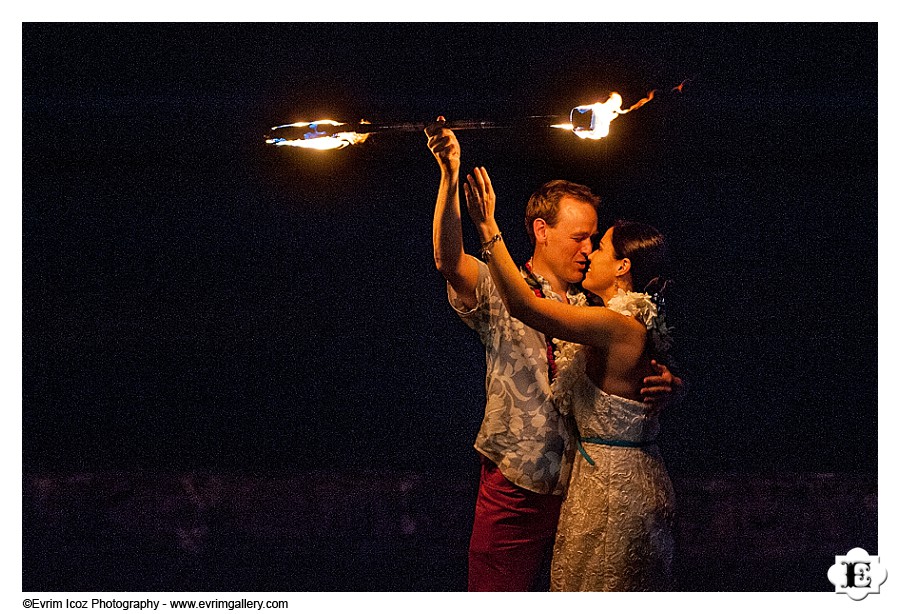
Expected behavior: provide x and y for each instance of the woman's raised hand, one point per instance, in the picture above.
(480, 198)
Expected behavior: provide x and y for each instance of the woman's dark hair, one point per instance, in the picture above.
(645, 247)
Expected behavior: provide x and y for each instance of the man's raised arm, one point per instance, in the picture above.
(458, 268)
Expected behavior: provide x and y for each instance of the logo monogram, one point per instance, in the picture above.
(857, 574)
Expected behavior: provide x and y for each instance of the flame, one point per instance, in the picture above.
(601, 116)
(313, 125)
(680, 87)
(338, 141)
(315, 138)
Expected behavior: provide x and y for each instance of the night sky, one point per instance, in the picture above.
(195, 298)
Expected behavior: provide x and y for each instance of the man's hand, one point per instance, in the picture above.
(662, 389)
(443, 144)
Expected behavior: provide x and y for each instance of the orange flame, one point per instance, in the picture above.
(330, 138)
(680, 87)
(601, 115)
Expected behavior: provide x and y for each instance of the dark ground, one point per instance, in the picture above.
(398, 531)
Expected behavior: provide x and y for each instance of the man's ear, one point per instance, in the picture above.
(540, 230)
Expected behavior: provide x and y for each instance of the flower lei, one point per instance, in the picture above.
(537, 287)
(563, 387)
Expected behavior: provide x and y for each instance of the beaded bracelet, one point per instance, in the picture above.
(487, 245)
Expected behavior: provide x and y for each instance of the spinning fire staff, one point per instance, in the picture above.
(586, 121)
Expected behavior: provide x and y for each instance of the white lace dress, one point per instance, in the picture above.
(616, 526)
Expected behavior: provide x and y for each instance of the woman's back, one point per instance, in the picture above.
(620, 366)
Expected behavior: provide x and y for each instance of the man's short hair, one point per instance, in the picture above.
(544, 203)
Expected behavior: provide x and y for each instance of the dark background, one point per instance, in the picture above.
(196, 299)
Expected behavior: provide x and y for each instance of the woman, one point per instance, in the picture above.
(615, 528)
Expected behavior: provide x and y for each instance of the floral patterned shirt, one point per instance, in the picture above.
(522, 432)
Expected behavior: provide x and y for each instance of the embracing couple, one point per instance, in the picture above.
(574, 391)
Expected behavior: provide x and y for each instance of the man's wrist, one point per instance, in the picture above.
(450, 172)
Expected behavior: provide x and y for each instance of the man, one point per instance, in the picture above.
(523, 441)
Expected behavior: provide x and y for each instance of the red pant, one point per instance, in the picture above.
(513, 533)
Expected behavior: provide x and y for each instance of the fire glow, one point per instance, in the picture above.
(591, 121)
(322, 134)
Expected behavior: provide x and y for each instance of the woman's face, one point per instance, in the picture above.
(601, 274)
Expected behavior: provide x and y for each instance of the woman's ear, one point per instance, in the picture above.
(624, 267)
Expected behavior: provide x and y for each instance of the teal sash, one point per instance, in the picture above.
(609, 442)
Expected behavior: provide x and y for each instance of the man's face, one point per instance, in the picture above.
(569, 242)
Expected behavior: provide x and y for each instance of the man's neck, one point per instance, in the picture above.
(540, 267)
